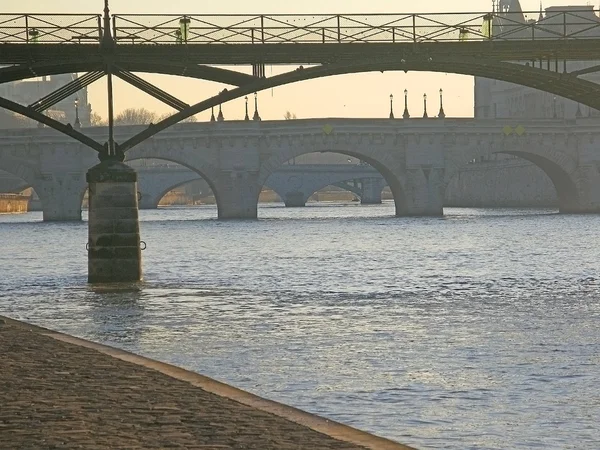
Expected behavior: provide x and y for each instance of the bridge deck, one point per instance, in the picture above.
(310, 53)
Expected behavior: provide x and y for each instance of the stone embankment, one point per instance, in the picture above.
(57, 391)
(13, 203)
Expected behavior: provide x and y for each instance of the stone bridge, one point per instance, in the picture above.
(293, 183)
(416, 157)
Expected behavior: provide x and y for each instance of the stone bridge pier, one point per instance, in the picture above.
(236, 193)
(54, 167)
(371, 190)
(61, 195)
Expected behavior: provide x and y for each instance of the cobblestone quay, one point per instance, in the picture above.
(60, 392)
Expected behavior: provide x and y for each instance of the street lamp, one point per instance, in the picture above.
(554, 106)
(220, 116)
(212, 114)
(441, 114)
(425, 106)
(247, 117)
(77, 123)
(405, 114)
(256, 115)
(391, 106)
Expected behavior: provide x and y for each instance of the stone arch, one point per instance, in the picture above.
(390, 165)
(194, 162)
(156, 200)
(561, 175)
(560, 168)
(315, 187)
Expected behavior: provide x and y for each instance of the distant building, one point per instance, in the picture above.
(499, 99)
(29, 91)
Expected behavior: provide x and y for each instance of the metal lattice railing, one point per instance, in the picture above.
(49, 28)
(356, 28)
(578, 23)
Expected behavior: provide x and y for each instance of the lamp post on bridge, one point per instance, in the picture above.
(554, 107)
(220, 116)
(212, 114)
(77, 123)
(425, 106)
(256, 115)
(391, 106)
(247, 117)
(405, 114)
(441, 114)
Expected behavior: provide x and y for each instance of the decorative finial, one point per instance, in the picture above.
(107, 39)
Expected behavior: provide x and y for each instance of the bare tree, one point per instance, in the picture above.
(96, 120)
(191, 119)
(289, 115)
(135, 116)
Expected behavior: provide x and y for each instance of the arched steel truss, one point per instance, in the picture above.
(563, 84)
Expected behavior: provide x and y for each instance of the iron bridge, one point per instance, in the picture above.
(527, 48)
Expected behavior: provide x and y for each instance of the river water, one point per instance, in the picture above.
(478, 330)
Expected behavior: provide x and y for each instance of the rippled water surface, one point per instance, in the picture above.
(478, 330)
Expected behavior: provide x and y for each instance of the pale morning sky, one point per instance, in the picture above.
(359, 95)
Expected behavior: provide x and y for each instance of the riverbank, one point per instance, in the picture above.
(13, 203)
(60, 391)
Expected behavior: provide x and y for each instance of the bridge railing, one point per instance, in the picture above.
(578, 23)
(355, 28)
(49, 28)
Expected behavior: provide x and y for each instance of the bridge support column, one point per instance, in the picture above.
(60, 195)
(586, 199)
(371, 191)
(114, 253)
(425, 191)
(237, 194)
(295, 199)
(146, 201)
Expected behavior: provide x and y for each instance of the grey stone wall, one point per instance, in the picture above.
(503, 183)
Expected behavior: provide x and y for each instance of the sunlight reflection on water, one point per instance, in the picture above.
(475, 330)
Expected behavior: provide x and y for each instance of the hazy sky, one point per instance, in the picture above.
(359, 95)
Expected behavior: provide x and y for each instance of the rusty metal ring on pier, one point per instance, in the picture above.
(139, 195)
(87, 246)
(144, 247)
